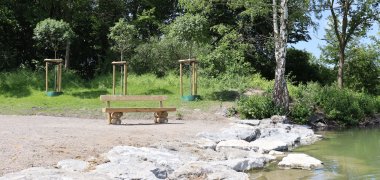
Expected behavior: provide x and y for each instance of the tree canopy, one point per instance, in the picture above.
(53, 34)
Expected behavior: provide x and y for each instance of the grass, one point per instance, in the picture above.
(22, 93)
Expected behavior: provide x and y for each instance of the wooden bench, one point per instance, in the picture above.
(115, 113)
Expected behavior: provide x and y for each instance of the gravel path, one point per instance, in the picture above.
(29, 141)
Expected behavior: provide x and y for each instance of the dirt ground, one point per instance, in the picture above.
(30, 141)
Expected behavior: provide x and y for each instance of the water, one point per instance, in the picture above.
(349, 154)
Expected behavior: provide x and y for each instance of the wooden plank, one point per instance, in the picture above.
(187, 60)
(109, 110)
(54, 60)
(132, 98)
(119, 62)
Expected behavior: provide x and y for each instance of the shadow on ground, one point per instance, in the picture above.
(158, 91)
(225, 95)
(89, 94)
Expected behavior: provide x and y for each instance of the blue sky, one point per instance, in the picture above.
(312, 46)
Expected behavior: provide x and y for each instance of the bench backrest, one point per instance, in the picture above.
(132, 98)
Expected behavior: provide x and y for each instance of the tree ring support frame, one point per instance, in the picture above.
(194, 78)
(58, 75)
(125, 72)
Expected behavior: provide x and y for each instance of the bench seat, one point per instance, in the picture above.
(110, 110)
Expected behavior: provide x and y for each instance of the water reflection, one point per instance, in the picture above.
(350, 154)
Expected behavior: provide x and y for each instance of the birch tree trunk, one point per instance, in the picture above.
(280, 91)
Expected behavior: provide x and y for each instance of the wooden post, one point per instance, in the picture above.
(113, 79)
(161, 105)
(46, 77)
(59, 77)
(180, 79)
(125, 79)
(195, 79)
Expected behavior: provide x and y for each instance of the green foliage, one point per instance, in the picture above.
(189, 29)
(302, 69)
(157, 56)
(257, 107)
(304, 101)
(9, 28)
(228, 57)
(54, 34)
(123, 36)
(363, 69)
(343, 106)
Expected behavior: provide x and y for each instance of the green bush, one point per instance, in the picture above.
(346, 106)
(303, 101)
(257, 107)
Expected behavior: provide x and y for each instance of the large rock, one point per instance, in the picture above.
(300, 161)
(129, 162)
(56, 174)
(235, 144)
(242, 132)
(245, 164)
(132, 169)
(267, 131)
(241, 154)
(290, 139)
(204, 143)
(306, 134)
(73, 165)
(241, 160)
(265, 145)
(278, 119)
(235, 132)
(205, 170)
(253, 122)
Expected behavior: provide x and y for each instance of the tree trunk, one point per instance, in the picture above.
(280, 92)
(67, 55)
(340, 68)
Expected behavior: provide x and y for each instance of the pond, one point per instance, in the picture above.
(349, 154)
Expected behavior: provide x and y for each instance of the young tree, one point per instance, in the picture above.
(189, 29)
(349, 19)
(123, 36)
(54, 34)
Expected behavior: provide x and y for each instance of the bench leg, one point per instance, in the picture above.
(161, 117)
(115, 118)
(109, 118)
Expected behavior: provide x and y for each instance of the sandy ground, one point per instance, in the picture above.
(30, 141)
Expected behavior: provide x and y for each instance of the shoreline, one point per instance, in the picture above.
(241, 146)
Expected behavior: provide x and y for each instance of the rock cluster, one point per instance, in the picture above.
(226, 154)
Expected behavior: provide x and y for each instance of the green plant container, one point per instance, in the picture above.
(190, 98)
(53, 93)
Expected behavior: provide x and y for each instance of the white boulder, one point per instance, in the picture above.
(73, 165)
(265, 145)
(300, 161)
(236, 144)
(206, 170)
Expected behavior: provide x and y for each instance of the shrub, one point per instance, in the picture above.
(303, 97)
(257, 107)
(346, 106)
